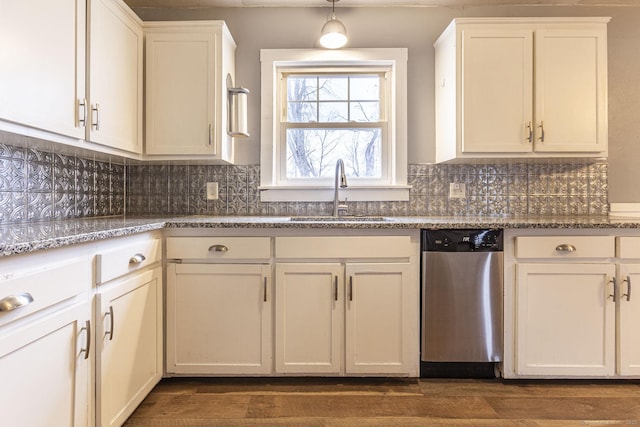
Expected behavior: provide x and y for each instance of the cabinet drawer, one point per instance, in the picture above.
(214, 248)
(565, 247)
(126, 258)
(628, 247)
(344, 247)
(45, 287)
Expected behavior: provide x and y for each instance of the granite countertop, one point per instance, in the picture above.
(23, 238)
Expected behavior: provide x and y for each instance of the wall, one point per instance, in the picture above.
(417, 28)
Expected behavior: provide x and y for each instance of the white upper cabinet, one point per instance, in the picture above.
(521, 88)
(73, 68)
(115, 75)
(42, 52)
(187, 67)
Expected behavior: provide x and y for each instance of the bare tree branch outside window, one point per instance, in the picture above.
(325, 117)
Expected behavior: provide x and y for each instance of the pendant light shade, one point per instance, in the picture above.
(334, 33)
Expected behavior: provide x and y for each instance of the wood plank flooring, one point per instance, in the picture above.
(339, 402)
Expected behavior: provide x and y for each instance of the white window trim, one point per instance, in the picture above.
(273, 59)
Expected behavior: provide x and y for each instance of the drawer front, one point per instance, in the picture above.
(124, 259)
(565, 247)
(26, 294)
(218, 248)
(344, 247)
(628, 247)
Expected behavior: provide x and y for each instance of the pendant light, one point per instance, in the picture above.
(333, 34)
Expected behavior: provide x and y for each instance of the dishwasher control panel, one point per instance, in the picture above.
(462, 240)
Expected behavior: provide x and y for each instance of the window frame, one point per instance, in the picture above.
(275, 63)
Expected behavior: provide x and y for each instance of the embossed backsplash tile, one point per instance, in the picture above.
(39, 186)
(500, 189)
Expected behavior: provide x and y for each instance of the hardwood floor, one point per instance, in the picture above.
(387, 402)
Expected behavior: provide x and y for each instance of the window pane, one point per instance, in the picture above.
(365, 111)
(302, 112)
(334, 112)
(333, 88)
(313, 153)
(302, 88)
(365, 88)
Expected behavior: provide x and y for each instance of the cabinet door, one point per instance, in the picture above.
(115, 75)
(45, 369)
(42, 75)
(219, 319)
(309, 318)
(381, 319)
(129, 339)
(565, 319)
(629, 345)
(497, 91)
(180, 92)
(571, 79)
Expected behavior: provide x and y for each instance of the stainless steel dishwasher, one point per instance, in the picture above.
(462, 283)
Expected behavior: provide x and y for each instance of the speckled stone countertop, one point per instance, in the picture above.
(31, 237)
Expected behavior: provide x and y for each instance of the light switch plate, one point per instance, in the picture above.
(212, 191)
(457, 190)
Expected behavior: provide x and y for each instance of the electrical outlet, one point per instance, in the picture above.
(457, 191)
(212, 191)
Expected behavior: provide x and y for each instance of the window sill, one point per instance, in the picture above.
(391, 193)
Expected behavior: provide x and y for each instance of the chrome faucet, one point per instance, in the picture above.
(338, 208)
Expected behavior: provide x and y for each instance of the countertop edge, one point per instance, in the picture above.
(32, 237)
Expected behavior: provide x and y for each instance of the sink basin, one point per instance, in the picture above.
(337, 218)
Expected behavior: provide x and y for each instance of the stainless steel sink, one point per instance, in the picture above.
(337, 218)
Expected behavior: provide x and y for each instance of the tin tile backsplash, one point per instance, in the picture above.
(491, 189)
(36, 185)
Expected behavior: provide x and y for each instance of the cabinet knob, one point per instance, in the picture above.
(218, 248)
(137, 259)
(566, 247)
(13, 302)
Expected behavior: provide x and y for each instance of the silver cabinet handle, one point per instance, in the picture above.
(87, 349)
(350, 288)
(615, 289)
(530, 131)
(110, 314)
(14, 302)
(137, 259)
(265, 290)
(628, 294)
(210, 135)
(96, 123)
(218, 248)
(566, 248)
(541, 126)
(335, 288)
(82, 117)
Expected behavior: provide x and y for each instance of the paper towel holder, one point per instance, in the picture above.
(237, 124)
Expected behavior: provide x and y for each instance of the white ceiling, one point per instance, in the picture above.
(362, 3)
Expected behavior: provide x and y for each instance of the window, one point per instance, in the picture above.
(321, 106)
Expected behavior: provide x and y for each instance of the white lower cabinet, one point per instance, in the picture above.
(219, 319)
(46, 340)
(347, 305)
(309, 318)
(45, 369)
(570, 305)
(129, 344)
(292, 304)
(330, 313)
(129, 325)
(565, 324)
